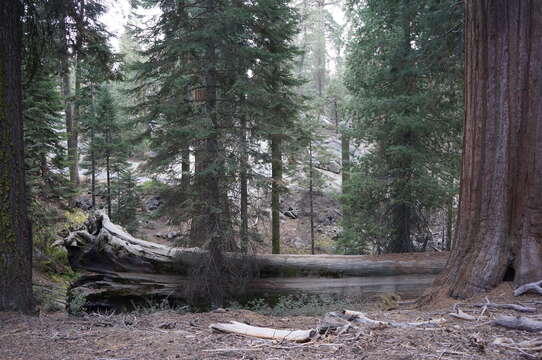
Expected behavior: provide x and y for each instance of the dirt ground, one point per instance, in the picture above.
(170, 335)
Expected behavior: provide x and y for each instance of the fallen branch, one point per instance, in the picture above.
(362, 318)
(524, 347)
(534, 286)
(462, 315)
(235, 327)
(515, 307)
(518, 323)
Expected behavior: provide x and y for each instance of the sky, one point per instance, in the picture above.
(118, 14)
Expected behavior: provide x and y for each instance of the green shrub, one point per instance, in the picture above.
(295, 305)
(76, 305)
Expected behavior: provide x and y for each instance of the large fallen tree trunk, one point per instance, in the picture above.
(119, 267)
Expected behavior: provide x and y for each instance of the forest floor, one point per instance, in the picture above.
(174, 335)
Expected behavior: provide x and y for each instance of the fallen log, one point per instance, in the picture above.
(518, 323)
(119, 268)
(235, 327)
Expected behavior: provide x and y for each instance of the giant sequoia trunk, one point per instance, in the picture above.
(119, 269)
(15, 234)
(499, 228)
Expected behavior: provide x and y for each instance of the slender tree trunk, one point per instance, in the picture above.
(108, 174)
(75, 123)
(499, 226)
(185, 172)
(336, 115)
(244, 181)
(345, 160)
(15, 229)
(93, 153)
(276, 174)
(199, 232)
(68, 107)
(76, 100)
(215, 160)
(311, 196)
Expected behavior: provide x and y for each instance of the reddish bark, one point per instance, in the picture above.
(499, 227)
(15, 232)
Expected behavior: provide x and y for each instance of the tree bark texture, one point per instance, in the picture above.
(499, 225)
(198, 227)
(68, 105)
(15, 230)
(276, 174)
(243, 179)
(345, 160)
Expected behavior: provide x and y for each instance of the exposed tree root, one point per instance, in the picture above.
(534, 286)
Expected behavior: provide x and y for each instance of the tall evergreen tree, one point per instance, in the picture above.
(15, 229)
(207, 75)
(498, 227)
(81, 38)
(404, 72)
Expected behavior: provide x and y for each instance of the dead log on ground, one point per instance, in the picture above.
(235, 327)
(120, 268)
(518, 323)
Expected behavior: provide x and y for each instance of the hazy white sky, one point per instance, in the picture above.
(118, 14)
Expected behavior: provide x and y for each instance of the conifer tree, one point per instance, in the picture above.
(81, 37)
(404, 73)
(211, 74)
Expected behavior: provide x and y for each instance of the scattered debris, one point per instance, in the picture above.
(515, 307)
(534, 286)
(526, 348)
(360, 317)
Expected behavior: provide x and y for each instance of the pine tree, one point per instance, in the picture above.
(208, 79)
(81, 37)
(127, 200)
(108, 146)
(404, 71)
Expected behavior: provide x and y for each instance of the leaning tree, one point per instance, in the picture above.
(499, 228)
(15, 235)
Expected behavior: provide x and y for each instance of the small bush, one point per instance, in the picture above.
(46, 299)
(295, 305)
(152, 305)
(76, 305)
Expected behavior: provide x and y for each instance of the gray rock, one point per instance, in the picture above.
(154, 203)
(170, 235)
(83, 203)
